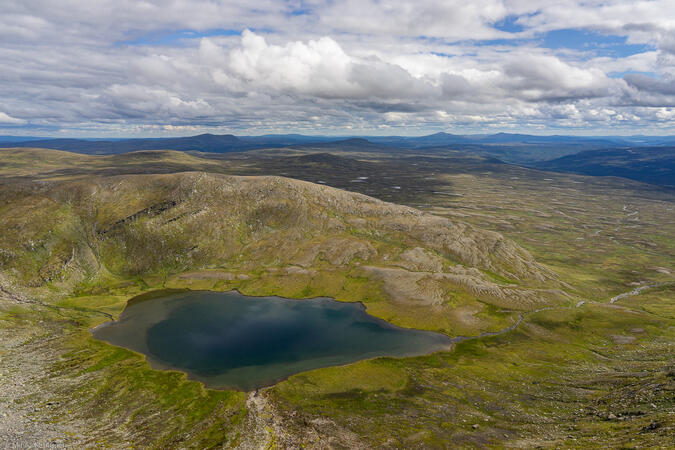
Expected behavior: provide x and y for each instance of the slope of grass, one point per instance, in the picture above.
(595, 376)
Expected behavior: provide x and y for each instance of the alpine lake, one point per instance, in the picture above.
(227, 340)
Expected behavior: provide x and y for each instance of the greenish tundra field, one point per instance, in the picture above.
(459, 244)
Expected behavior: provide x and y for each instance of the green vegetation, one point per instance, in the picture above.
(73, 251)
(561, 371)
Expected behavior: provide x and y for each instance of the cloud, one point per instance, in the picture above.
(450, 19)
(319, 67)
(546, 77)
(455, 86)
(6, 119)
(330, 66)
(138, 101)
(641, 82)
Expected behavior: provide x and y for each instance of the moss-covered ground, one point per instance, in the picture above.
(598, 375)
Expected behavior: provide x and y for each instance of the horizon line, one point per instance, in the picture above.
(345, 136)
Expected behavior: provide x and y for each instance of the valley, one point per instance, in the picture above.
(459, 244)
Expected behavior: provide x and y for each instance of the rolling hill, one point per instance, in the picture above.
(511, 148)
(504, 260)
(654, 165)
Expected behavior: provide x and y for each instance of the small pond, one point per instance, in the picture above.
(229, 340)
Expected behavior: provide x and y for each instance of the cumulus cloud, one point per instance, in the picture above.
(320, 65)
(545, 77)
(641, 82)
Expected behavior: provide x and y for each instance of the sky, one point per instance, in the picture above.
(117, 68)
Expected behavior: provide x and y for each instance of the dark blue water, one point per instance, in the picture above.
(229, 340)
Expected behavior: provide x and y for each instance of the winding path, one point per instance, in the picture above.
(635, 291)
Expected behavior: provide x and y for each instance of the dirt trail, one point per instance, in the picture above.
(636, 291)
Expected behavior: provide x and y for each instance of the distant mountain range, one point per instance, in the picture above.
(644, 158)
(498, 138)
(203, 143)
(227, 143)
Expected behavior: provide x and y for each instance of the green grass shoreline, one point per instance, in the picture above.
(365, 397)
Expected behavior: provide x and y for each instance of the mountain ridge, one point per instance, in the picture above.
(654, 165)
(215, 143)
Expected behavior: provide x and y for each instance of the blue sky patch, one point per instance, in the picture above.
(508, 24)
(589, 41)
